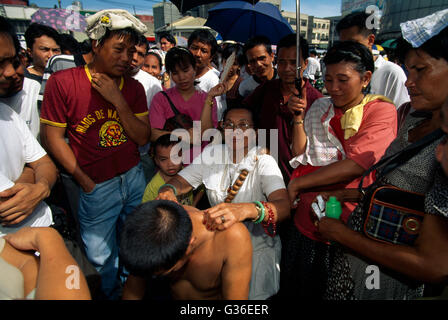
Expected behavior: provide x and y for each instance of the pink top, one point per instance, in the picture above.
(160, 109)
(367, 147)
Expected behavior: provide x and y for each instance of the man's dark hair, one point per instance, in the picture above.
(313, 52)
(240, 58)
(7, 28)
(351, 51)
(36, 30)
(142, 41)
(436, 47)
(179, 56)
(85, 46)
(358, 19)
(168, 36)
(69, 43)
(258, 41)
(166, 140)
(204, 36)
(126, 32)
(155, 237)
(291, 41)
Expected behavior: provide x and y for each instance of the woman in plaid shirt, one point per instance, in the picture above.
(339, 138)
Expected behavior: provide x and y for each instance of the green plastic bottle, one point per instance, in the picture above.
(333, 208)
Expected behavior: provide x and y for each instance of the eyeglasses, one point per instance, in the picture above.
(241, 125)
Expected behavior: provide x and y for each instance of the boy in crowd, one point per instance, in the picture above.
(169, 165)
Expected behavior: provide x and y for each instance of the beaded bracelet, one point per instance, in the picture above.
(261, 212)
(270, 221)
(169, 186)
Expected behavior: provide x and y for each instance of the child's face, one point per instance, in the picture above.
(442, 148)
(168, 164)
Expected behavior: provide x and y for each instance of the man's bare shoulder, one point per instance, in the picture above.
(234, 239)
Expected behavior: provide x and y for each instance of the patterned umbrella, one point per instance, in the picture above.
(60, 19)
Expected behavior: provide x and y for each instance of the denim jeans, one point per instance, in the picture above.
(101, 214)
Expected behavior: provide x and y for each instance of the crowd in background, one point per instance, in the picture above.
(91, 173)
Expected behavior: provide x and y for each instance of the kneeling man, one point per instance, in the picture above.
(161, 237)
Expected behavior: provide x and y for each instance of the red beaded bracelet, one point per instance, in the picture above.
(270, 221)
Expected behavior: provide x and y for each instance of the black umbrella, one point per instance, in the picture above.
(185, 5)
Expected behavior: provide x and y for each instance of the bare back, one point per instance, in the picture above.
(218, 268)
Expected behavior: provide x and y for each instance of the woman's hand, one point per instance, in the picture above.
(224, 215)
(217, 90)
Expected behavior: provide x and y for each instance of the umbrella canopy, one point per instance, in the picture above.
(240, 21)
(185, 5)
(60, 19)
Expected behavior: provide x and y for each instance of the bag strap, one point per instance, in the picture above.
(398, 159)
(173, 107)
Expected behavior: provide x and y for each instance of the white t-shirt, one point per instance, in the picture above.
(215, 169)
(24, 103)
(208, 81)
(150, 83)
(311, 69)
(18, 146)
(248, 86)
(389, 80)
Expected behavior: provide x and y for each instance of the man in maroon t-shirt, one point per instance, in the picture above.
(270, 101)
(105, 116)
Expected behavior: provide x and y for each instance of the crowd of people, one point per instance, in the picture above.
(153, 155)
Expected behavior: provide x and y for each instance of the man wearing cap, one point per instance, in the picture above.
(105, 116)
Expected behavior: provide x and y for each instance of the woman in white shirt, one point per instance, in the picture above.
(243, 184)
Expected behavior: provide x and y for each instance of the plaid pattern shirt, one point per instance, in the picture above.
(322, 147)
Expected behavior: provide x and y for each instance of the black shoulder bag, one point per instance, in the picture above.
(179, 121)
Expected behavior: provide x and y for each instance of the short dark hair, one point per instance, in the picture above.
(155, 237)
(126, 32)
(351, 51)
(436, 47)
(358, 19)
(142, 41)
(7, 28)
(204, 36)
(239, 54)
(291, 41)
(179, 56)
(166, 140)
(168, 36)
(69, 43)
(36, 30)
(258, 41)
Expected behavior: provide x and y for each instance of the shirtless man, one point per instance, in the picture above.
(161, 237)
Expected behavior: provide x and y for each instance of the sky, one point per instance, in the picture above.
(318, 8)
